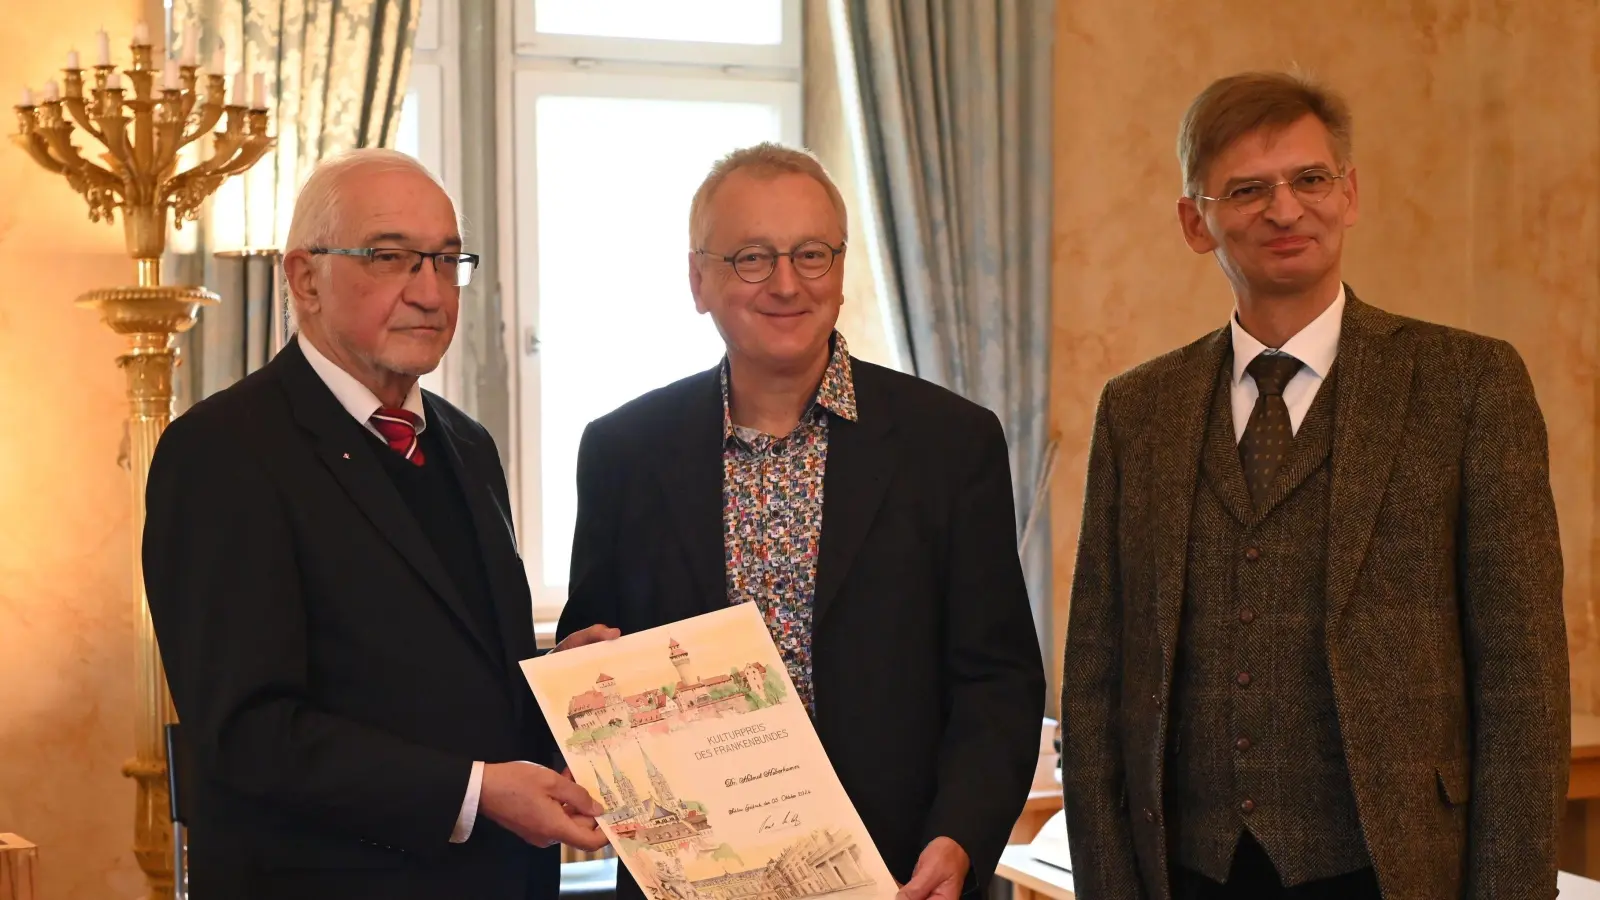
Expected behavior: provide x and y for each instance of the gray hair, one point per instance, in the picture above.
(316, 211)
(767, 159)
(316, 218)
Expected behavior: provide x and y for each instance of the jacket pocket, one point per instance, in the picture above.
(1455, 781)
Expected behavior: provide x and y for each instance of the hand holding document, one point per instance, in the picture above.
(591, 635)
(540, 806)
(941, 872)
(711, 777)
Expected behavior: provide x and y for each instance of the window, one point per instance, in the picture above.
(716, 21)
(608, 113)
(759, 33)
(424, 133)
(618, 110)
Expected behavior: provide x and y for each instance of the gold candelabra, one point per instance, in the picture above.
(138, 174)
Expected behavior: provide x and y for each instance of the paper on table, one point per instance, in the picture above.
(713, 778)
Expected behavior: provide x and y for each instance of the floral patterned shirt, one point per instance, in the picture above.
(772, 513)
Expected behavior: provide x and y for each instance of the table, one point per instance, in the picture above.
(1041, 805)
(18, 858)
(1031, 879)
(1572, 887)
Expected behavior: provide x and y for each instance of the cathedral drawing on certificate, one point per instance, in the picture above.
(659, 820)
(603, 714)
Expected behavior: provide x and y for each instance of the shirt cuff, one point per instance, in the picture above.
(469, 806)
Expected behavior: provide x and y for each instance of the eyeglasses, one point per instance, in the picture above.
(755, 264)
(1310, 186)
(396, 264)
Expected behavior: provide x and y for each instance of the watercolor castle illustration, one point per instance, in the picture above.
(603, 714)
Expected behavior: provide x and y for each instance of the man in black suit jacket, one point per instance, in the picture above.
(867, 513)
(335, 585)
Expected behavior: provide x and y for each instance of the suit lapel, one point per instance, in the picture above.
(496, 544)
(1374, 387)
(1220, 464)
(857, 474)
(690, 472)
(349, 455)
(1182, 408)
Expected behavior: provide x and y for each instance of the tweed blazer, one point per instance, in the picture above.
(1445, 635)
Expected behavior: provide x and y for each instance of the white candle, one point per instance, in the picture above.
(141, 33)
(258, 91)
(219, 60)
(72, 59)
(114, 83)
(51, 92)
(237, 98)
(104, 58)
(191, 50)
(169, 75)
(27, 97)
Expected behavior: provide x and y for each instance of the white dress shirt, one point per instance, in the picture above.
(1315, 345)
(361, 403)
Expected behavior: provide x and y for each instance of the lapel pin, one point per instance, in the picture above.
(347, 456)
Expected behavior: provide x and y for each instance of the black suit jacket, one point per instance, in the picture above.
(332, 687)
(928, 681)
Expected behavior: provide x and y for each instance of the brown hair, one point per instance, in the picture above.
(1233, 107)
(766, 159)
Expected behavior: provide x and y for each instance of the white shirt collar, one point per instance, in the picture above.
(1315, 345)
(354, 396)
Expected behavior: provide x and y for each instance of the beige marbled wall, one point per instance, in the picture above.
(1478, 151)
(66, 622)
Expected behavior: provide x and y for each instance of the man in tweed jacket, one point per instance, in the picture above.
(1316, 645)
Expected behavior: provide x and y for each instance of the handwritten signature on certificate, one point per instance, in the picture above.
(789, 820)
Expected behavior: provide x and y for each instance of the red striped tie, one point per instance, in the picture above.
(399, 427)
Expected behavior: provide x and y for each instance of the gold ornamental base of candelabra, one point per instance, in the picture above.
(152, 317)
(152, 830)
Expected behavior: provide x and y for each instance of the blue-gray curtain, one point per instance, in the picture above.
(956, 100)
(335, 73)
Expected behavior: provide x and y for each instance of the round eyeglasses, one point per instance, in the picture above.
(756, 263)
(397, 264)
(1251, 197)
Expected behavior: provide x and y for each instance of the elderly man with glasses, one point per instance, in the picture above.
(867, 514)
(337, 593)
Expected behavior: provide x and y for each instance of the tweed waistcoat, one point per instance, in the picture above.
(1254, 742)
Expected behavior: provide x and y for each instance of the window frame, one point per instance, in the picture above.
(530, 65)
(530, 42)
(436, 78)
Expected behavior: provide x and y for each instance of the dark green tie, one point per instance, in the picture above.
(1269, 435)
